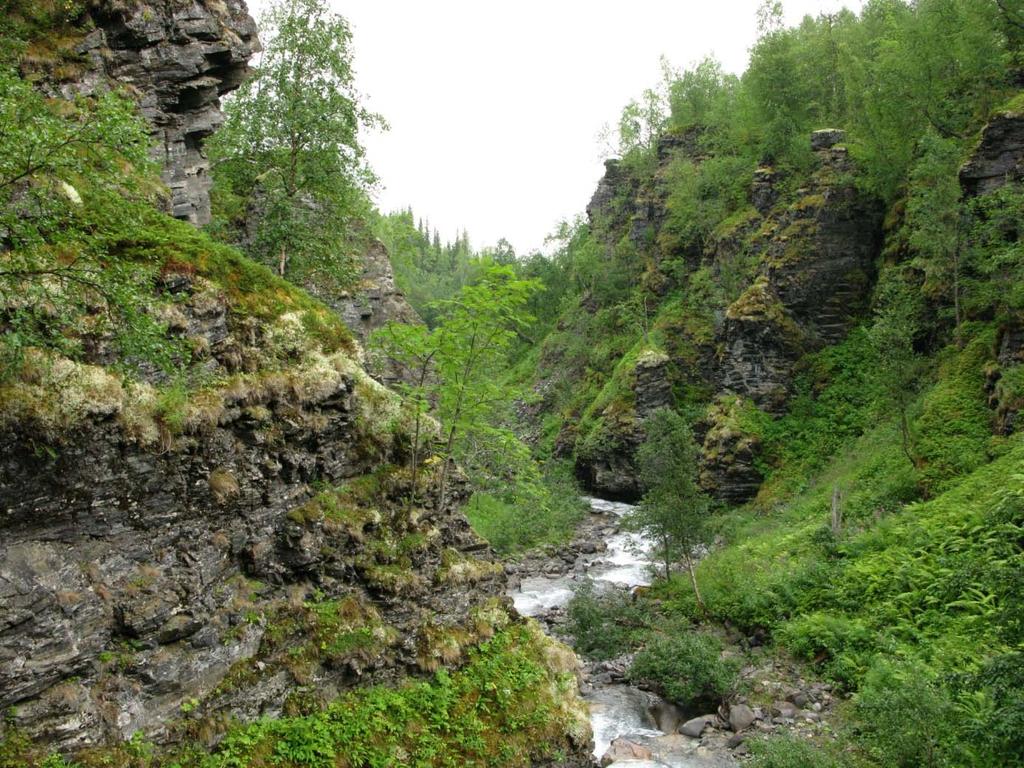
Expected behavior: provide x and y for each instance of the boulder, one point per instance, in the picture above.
(741, 717)
(784, 709)
(624, 749)
(695, 727)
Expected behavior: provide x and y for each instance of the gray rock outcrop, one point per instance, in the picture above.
(181, 58)
(998, 158)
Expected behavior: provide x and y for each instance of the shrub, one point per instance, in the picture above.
(906, 717)
(604, 625)
(532, 511)
(688, 668)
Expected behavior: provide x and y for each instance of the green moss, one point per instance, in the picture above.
(456, 568)
(809, 202)
(759, 303)
(347, 509)
(953, 434)
(1012, 106)
(347, 631)
(736, 223)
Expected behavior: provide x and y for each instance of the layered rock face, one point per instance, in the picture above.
(372, 302)
(999, 157)
(181, 57)
(140, 585)
(996, 161)
(375, 300)
(256, 553)
(816, 271)
(813, 252)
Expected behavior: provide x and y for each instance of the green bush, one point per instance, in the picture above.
(604, 625)
(906, 719)
(528, 514)
(686, 667)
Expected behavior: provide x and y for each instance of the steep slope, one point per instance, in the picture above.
(216, 528)
(724, 325)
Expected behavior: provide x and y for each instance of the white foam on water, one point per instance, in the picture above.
(537, 595)
(615, 710)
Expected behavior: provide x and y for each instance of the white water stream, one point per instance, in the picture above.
(615, 709)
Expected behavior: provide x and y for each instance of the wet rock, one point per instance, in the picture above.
(695, 727)
(625, 750)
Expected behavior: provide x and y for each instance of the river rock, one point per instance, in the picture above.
(695, 727)
(624, 749)
(741, 717)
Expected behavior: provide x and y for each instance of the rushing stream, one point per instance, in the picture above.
(616, 710)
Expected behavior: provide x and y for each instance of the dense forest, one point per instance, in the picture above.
(274, 461)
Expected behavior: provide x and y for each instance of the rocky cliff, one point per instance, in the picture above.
(795, 269)
(179, 58)
(371, 302)
(181, 555)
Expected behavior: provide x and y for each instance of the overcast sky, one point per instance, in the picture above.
(495, 108)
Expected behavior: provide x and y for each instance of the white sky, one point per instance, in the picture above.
(495, 108)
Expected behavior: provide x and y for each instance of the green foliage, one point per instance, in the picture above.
(528, 511)
(289, 148)
(474, 340)
(426, 271)
(897, 361)
(791, 752)
(673, 509)
(836, 396)
(687, 667)
(905, 719)
(504, 708)
(604, 624)
(701, 196)
(695, 95)
(841, 645)
(935, 219)
(954, 428)
(996, 253)
(459, 367)
(69, 169)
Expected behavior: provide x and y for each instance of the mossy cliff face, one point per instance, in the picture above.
(732, 316)
(816, 268)
(219, 530)
(176, 558)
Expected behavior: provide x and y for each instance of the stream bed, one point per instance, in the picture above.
(619, 560)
